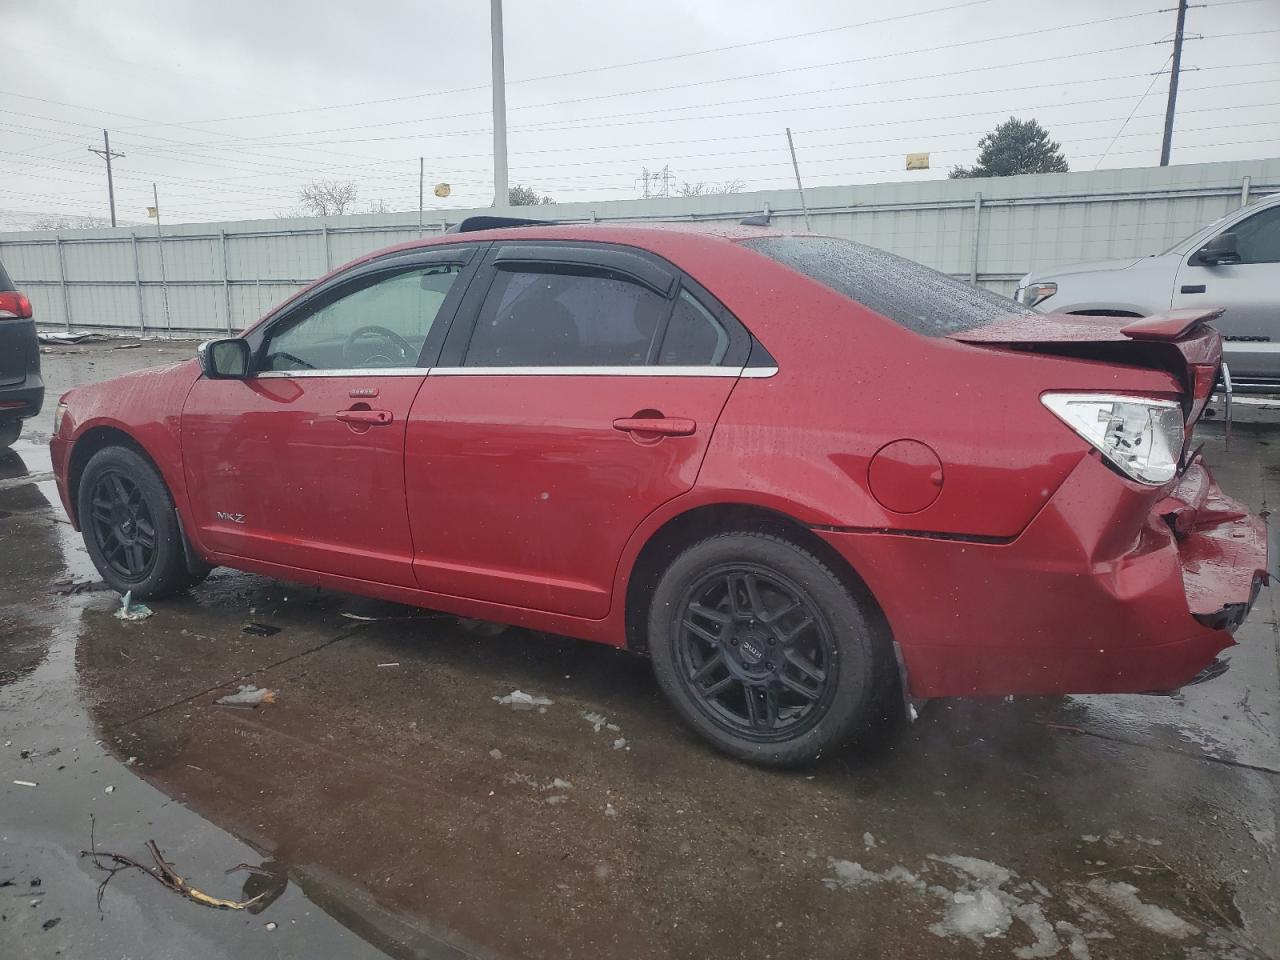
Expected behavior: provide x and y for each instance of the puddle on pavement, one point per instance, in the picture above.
(386, 803)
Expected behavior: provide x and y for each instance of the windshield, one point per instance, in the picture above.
(922, 300)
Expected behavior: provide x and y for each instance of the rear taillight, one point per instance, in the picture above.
(14, 306)
(1142, 436)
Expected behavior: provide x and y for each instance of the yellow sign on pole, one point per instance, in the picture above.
(443, 190)
(152, 212)
(917, 161)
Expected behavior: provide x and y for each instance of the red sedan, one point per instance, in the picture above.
(808, 478)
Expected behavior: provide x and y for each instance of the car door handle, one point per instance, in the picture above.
(372, 418)
(663, 426)
(1192, 288)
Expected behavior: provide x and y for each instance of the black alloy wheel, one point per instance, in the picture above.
(768, 651)
(123, 526)
(755, 652)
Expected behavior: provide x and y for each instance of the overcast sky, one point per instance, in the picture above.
(231, 105)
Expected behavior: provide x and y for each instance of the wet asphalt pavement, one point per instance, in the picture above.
(388, 804)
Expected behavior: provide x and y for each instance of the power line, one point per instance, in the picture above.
(586, 70)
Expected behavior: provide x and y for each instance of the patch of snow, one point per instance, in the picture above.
(1077, 945)
(495, 753)
(519, 700)
(868, 841)
(849, 874)
(1047, 943)
(1124, 897)
(597, 720)
(978, 916)
(620, 743)
(991, 874)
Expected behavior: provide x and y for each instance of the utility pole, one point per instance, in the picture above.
(1173, 84)
(501, 196)
(644, 180)
(666, 180)
(106, 154)
(799, 186)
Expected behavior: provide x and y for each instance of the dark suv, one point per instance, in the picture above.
(21, 389)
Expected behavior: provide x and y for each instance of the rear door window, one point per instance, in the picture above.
(913, 296)
(694, 338)
(553, 319)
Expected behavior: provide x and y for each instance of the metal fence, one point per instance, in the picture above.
(197, 279)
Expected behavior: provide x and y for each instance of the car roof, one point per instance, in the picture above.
(644, 235)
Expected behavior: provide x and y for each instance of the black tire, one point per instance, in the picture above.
(750, 705)
(9, 432)
(130, 526)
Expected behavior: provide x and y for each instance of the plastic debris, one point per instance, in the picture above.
(396, 664)
(610, 810)
(519, 700)
(25, 783)
(597, 720)
(130, 611)
(248, 696)
(619, 743)
(495, 753)
(109, 790)
(260, 629)
(271, 924)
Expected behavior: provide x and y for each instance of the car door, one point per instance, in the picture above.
(1249, 290)
(302, 464)
(579, 396)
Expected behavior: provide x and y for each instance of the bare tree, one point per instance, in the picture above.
(378, 206)
(324, 198)
(522, 196)
(703, 189)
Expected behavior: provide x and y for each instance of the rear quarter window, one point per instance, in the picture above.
(6, 284)
(913, 296)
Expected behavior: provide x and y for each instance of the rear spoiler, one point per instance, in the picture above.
(1170, 325)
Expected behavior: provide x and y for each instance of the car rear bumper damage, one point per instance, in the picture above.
(1113, 588)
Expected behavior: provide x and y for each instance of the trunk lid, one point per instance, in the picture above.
(1179, 341)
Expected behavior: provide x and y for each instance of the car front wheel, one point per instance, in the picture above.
(765, 651)
(130, 526)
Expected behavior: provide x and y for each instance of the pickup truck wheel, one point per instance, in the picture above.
(764, 651)
(130, 526)
(9, 432)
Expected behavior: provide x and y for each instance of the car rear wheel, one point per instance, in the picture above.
(765, 651)
(130, 526)
(9, 432)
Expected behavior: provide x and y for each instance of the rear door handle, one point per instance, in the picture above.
(664, 426)
(1192, 288)
(373, 418)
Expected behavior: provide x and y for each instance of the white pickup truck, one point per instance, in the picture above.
(1233, 263)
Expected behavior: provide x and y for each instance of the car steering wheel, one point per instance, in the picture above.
(390, 337)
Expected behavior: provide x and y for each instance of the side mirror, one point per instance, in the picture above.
(224, 359)
(1218, 251)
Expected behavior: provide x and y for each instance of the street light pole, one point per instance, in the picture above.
(501, 197)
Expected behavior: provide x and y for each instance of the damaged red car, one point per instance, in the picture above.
(807, 478)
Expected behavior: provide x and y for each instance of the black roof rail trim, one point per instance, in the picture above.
(485, 222)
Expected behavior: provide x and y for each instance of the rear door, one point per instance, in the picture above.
(1250, 292)
(302, 464)
(580, 397)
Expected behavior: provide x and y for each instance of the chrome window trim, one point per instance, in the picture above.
(348, 372)
(650, 370)
(645, 371)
